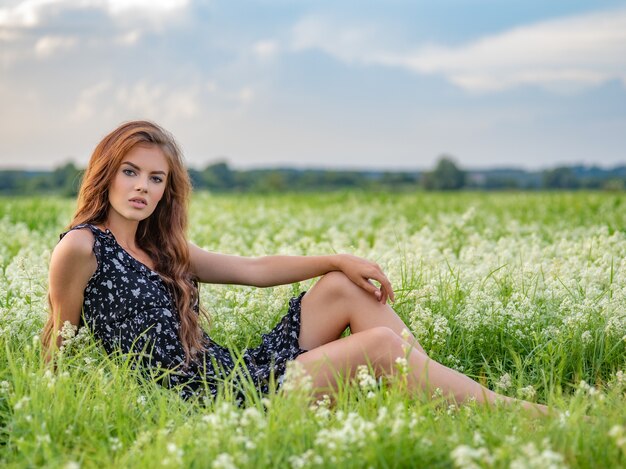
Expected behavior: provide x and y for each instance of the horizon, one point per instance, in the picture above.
(269, 167)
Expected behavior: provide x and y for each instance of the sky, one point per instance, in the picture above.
(385, 85)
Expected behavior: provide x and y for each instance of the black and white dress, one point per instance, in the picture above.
(128, 307)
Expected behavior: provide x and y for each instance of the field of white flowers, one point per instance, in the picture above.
(524, 292)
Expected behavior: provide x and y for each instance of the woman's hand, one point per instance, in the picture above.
(362, 272)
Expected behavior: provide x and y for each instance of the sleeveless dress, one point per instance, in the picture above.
(129, 309)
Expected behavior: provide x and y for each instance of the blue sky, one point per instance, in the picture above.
(343, 84)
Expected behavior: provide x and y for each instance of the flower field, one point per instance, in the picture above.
(524, 292)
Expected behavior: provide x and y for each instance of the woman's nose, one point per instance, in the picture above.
(141, 186)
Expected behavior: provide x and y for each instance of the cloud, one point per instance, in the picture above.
(564, 54)
(141, 99)
(349, 44)
(158, 100)
(117, 7)
(245, 95)
(49, 45)
(87, 105)
(25, 14)
(129, 39)
(265, 49)
(32, 13)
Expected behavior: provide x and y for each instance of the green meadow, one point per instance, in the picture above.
(524, 292)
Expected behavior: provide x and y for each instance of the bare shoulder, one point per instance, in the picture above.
(74, 253)
(72, 264)
(76, 244)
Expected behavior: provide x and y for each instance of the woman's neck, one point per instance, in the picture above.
(124, 231)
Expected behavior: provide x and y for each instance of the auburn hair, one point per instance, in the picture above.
(162, 235)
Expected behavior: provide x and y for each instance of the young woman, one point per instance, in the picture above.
(126, 270)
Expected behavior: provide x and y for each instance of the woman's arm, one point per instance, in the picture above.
(269, 271)
(71, 266)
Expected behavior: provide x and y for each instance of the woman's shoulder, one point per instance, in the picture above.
(77, 243)
(73, 258)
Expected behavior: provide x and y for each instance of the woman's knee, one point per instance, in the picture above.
(335, 285)
(383, 341)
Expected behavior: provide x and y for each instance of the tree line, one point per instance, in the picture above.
(445, 176)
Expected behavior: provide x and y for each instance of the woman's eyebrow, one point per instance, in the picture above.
(139, 169)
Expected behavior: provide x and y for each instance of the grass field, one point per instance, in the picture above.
(524, 292)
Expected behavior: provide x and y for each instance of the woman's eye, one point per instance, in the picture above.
(128, 172)
(157, 179)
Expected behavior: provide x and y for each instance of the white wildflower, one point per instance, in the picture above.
(618, 434)
(437, 393)
(21, 403)
(322, 408)
(307, 459)
(532, 458)
(115, 443)
(251, 417)
(43, 439)
(527, 392)
(68, 331)
(353, 433)
(175, 452)
(5, 387)
(296, 378)
(50, 379)
(402, 365)
(224, 461)
(619, 380)
(504, 382)
(471, 458)
(365, 379)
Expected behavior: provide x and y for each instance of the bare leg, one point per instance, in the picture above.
(335, 303)
(377, 340)
(379, 347)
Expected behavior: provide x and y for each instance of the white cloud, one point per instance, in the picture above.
(117, 7)
(157, 101)
(88, 105)
(567, 53)
(130, 38)
(245, 95)
(31, 13)
(50, 45)
(25, 14)
(265, 49)
(349, 44)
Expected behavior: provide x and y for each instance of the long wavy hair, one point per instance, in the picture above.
(162, 234)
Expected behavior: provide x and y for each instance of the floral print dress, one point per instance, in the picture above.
(129, 309)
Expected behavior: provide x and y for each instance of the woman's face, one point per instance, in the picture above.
(139, 183)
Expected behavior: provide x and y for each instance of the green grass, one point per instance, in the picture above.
(524, 292)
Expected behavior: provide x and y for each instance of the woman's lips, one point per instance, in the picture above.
(138, 202)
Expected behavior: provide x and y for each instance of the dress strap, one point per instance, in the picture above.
(93, 229)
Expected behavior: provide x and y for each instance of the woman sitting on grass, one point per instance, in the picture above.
(126, 265)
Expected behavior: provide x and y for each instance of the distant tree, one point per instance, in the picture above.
(560, 178)
(445, 177)
(66, 179)
(272, 181)
(218, 176)
(614, 185)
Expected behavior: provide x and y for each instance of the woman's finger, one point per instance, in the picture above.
(379, 292)
(369, 286)
(388, 289)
